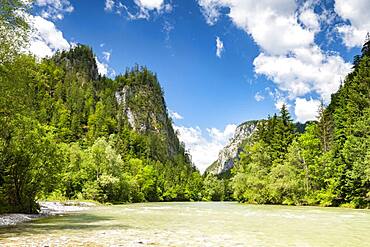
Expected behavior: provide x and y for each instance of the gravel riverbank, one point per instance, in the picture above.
(46, 209)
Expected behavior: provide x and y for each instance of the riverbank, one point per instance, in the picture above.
(46, 209)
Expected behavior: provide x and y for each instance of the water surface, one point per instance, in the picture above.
(196, 224)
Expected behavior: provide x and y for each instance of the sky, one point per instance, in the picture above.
(220, 62)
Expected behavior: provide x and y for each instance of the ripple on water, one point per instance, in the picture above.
(196, 224)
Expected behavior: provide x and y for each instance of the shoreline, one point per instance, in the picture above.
(47, 209)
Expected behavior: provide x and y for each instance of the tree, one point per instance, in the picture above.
(13, 28)
(325, 128)
(30, 161)
(214, 189)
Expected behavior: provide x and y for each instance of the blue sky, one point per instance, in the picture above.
(220, 62)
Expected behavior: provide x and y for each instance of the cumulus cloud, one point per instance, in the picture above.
(219, 47)
(102, 67)
(46, 38)
(175, 115)
(204, 147)
(279, 97)
(109, 4)
(285, 31)
(272, 24)
(309, 18)
(304, 71)
(150, 4)
(222, 135)
(358, 15)
(54, 9)
(107, 55)
(306, 110)
(210, 10)
(143, 10)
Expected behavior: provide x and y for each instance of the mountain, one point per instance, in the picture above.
(71, 133)
(134, 100)
(80, 60)
(231, 151)
(143, 108)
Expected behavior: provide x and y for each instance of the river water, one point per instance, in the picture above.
(196, 224)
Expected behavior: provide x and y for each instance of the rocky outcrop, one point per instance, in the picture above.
(230, 152)
(141, 102)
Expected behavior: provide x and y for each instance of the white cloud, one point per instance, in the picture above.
(279, 97)
(358, 14)
(306, 110)
(144, 8)
(309, 18)
(219, 47)
(222, 136)
(168, 8)
(109, 4)
(279, 104)
(40, 49)
(210, 10)
(304, 71)
(46, 38)
(168, 27)
(204, 148)
(107, 55)
(272, 24)
(54, 9)
(150, 4)
(258, 97)
(175, 115)
(102, 67)
(285, 31)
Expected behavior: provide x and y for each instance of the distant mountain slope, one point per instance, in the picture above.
(231, 151)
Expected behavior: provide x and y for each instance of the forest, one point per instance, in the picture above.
(328, 164)
(66, 132)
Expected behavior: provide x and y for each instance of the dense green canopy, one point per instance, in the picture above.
(67, 132)
(329, 164)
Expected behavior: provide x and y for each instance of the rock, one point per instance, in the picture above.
(231, 151)
(46, 209)
(142, 103)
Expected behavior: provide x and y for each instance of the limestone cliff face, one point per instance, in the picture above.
(135, 101)
(231, 151)
(140, 99)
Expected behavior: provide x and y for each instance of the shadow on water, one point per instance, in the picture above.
(71, 222)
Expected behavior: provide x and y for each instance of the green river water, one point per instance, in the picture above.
(196, 224)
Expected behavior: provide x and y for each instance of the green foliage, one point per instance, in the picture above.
(64, 133)
(326, 165)
(214, 189)
(14, 29)
(30, 160)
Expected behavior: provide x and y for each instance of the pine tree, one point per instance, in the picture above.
(366, 47)
(325, 128)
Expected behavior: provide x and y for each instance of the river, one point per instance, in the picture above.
(196, 224)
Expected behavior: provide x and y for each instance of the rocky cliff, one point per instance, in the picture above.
(231, 151)
(141, 102)
(132, 101)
